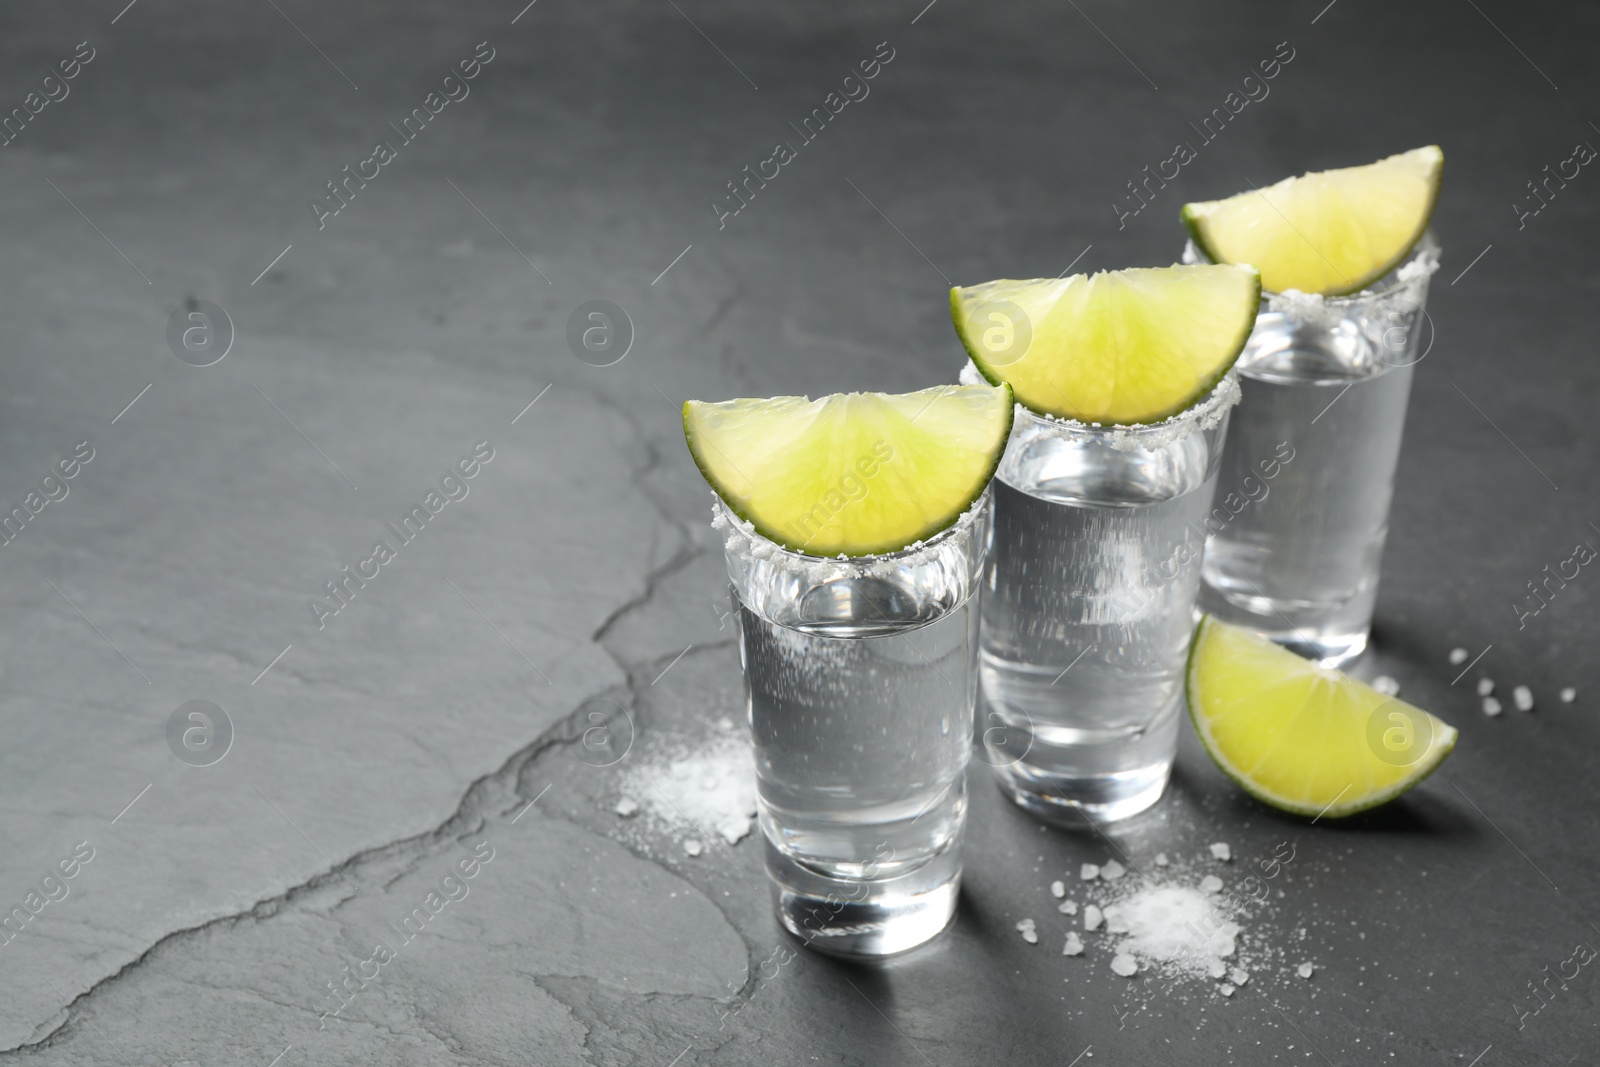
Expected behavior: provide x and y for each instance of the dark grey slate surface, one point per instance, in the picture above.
(422, 718)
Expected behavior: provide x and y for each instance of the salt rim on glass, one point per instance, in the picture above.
(1154, 436)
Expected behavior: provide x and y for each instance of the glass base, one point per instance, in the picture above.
(1332, 643)
(1328, 650)
(865, 918)
(1079, 803)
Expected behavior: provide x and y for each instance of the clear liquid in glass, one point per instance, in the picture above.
(1312, 451)
(1087, 610)
(860, 681)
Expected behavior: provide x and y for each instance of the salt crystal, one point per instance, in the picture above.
(1485, 686)
(1224, 942)
(1130, 438)
(1116, 922)
(693, 847)
(1568, 695)
(1491, 706)
(1074, 945)
(1386, 685)
(1221, 851)
(1112, 871)
(1088, 872)
(1305, 970)
(1522, 696)
(1092, 917)
(1068, 907)
(1058, 889)
(694, 791)
(1458, 655)
(1225, 989)
(1216, 968)
(1161, 859)
(1238, 976)
(1124, 965)
(626, 807)
(1029, 932)
(1174, 928)
(1211, 884)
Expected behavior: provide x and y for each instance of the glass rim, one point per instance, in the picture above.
(724, 517)
(1208, 410)
(1425, 254)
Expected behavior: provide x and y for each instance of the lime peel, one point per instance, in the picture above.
(1332, 232)
(1130, 347)
(1303, 738)
(855, 474)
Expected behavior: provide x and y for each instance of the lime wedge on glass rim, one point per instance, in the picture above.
(1303, 738)
(1331, 232)
(856, 474)
(1119, 347)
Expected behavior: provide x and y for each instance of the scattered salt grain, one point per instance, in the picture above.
(1161, 859)
(1116, 922)
(1211, 884)
(696, 792)
(1386, 685)
(1522, 697)
(1068, 907)
(1485, 686)
(1058, 889)
(1225, 989)
(1238, 976)
(1568, 695)
(1028, 930)
(1092, 918)
(1173, 928)
(1124, 965)
(626, 807)
(1089, 872)
(1305, 970)
(1458, 655)
(1221, 851)
(1491, 706)
(1112, 871)
(1074, 945)
(693, 847)
(1216, 969)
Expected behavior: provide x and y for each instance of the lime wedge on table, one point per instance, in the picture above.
(1331, 232)
(1300, 737)
(854, 473)
(1127, 346)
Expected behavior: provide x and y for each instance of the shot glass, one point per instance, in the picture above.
(1308, 471)
(1087, 606)
(860, 680)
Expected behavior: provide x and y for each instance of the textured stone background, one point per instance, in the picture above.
(451, 692)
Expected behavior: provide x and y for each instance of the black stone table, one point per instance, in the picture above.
(277, 276)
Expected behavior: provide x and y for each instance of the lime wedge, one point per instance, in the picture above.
(1331, 232)
(854, 473)
(1304, 738)
(1124, 347)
